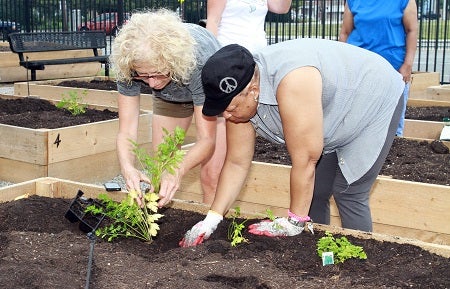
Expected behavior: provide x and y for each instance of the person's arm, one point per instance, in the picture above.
(302, 117)
(279, 6)
(199, 153)
(240, 150)
(347, 24)
(410, 24)
(129, 107)
(214, 12)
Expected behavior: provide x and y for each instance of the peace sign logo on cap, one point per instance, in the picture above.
(228, 84)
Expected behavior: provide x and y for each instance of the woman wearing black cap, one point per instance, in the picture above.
(334, 105)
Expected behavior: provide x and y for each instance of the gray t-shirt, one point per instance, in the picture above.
(360, 91)
(206, 45)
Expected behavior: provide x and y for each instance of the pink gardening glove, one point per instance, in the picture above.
(202, 230)
(278, 227)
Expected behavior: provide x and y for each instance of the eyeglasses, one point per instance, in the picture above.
(157, 76)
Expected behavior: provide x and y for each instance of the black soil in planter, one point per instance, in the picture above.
(39, 248)
(37, 113)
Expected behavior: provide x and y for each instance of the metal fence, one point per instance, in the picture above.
(307, 18)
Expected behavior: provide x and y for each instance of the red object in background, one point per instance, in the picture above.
(105, 21)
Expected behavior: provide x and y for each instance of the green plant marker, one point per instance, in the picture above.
(327, 258)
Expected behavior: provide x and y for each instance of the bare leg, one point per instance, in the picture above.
(159, 122)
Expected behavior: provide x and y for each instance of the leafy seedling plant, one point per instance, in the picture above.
(73, 103)
(128, 218)
(235, 229)
(270, 215)
(341, 247)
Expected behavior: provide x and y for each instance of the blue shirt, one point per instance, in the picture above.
(378, 27)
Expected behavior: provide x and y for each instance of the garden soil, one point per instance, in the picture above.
(39, 248)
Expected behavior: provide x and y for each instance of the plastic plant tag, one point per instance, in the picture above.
(327, 258)
(445, 133)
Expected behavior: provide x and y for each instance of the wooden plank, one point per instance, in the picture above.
(8, 59)
(426, 102)
(11, 71)
(418, 234)
(78, 141)
(18, 171)
(14, 74)
(421, 129)
(439, 92)
(23, 189)
(23, 144)
(96, 168)
(420, 81)
(68, 189)
(411, 205)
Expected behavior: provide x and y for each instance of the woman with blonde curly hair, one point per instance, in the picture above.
(157, 49)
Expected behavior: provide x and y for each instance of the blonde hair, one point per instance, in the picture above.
(158, 39)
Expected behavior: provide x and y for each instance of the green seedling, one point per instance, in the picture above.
(341, 247)
(235, 229)
(270, 215)
(73, 103)
(128, 218)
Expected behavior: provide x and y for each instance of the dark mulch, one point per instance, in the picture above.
(37, 113)
(410, 160)
(39, 248)
(98, 84)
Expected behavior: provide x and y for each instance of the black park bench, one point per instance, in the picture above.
(24, 43)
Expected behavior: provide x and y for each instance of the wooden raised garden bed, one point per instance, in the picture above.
(81, 153)
(253, 205)
(51, 91)
(401, 208)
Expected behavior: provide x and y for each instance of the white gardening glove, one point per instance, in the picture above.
(202, 230)
(278, 227)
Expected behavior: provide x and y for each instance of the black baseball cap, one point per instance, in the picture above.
(226, 73)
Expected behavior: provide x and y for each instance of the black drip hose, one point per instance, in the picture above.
(91, 236)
